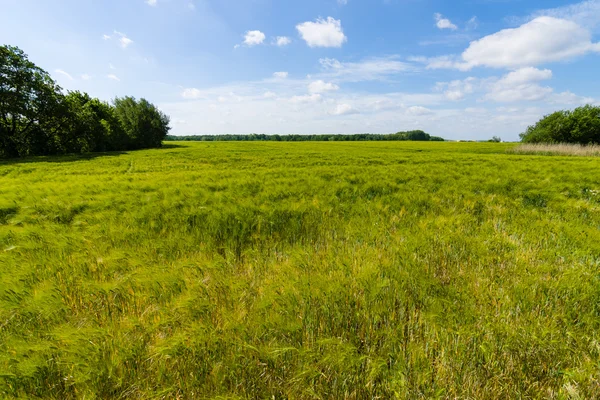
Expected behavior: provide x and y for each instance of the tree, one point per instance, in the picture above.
(29, 99)
(144, 125)
(581, 125)
(495, 139)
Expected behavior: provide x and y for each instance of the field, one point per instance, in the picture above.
(301, 271)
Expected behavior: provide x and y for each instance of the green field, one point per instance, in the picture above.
(301, 271)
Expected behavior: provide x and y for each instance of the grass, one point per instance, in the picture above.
(563, 149)
(301, 271)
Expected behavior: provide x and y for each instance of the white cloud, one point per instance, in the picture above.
(344, 109)
(282, 41)
(86, 77)
(545, 39)
(152, 3)
(113, 77)
(585, 13)
(312, 98)
(280, 75)
(322, 87)
(521, 85)
(253, 38)
(444, 23)
(191, 93)
(106, 37)
(366, 70)
(111, 66)
(342, 2)
(525, 75)
(63, 73)
(322, 33)
(457, 89)
(191, 6)
(418, 111)
(123, 40)
(269, 95)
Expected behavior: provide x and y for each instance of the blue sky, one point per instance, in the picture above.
(461, 69)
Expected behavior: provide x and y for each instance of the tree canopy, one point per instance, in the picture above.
(361, 137)
(581, 125)
(37, 118)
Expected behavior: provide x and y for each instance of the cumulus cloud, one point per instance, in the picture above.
(342, 2)
(86, 77)
(253, 38)
(322, 33)
(152, 3)
(542, 40)
(521, 85)
(322, 87)
(280, 75)
(344, 109)
(444, 23)
(545, 39)
(457, 89)
(282, 41)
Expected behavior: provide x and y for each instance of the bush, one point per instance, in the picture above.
(581, 126)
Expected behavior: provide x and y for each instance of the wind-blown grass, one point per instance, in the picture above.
(301, 271)
(563, 149)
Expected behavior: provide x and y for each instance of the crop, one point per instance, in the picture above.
(564, 149)
(335, 270)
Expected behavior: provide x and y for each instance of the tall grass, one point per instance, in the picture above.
(565, 149)
(301, 271)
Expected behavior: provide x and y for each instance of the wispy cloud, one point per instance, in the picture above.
(63, 73)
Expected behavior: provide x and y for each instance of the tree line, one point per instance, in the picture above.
(37, 118)
(417, 135)
(581, 126)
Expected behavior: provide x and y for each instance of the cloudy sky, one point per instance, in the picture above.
(464, 69)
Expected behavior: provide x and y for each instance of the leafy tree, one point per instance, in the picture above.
(495, 139)
(37, 118)
(144, 125)
(581, 125)
(29, 99)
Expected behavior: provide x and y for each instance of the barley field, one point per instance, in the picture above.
(266, 270)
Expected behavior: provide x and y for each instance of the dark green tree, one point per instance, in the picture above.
(29, 100)
(581, 125)
(144, 125)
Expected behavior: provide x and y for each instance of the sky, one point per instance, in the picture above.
(463, 69)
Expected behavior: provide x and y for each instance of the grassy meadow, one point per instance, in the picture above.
(264, 270)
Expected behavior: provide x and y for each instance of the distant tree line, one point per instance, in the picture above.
(361, 137)
(581, 126)
(37, 118)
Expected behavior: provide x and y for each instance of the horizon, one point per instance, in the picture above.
(461, 71)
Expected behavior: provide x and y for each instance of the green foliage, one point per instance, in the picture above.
(29, 99)
(36, 118)
(418, 136)
(392, 270)
(581, 125)
(144, 125)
